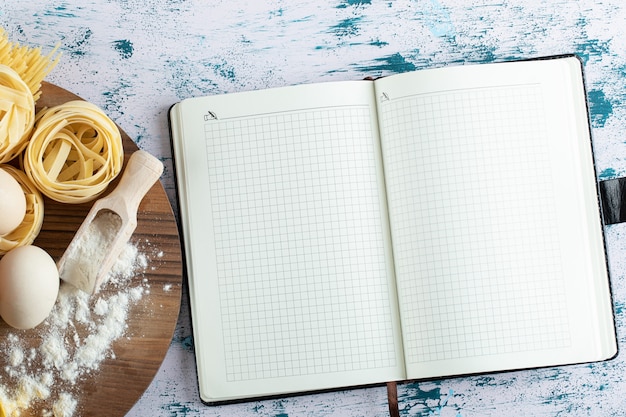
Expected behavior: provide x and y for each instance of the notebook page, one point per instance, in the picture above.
(493, 266)
(298, 276)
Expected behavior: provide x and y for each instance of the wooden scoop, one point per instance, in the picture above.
(108, 226)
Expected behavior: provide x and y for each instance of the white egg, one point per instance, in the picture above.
(29, 285)
(12, 203)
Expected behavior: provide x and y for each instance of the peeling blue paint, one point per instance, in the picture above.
(224, 70)
(395, 63)
(600, 108)
(178, 409)
(378, 43)
(124, 47)
(484, 381)
(187, 342)
(277, 13)
(484, 54)
(423, 395)
(346, 28)
(115, 97)
(591, 48)
(59, 11)
(426, 402)
(78, 44)
(353, 3)
(608, 173)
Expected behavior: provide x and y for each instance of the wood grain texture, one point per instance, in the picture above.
(116, 385)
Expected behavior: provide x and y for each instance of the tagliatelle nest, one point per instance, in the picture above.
(30, 227)
(17, 114)
(74, 152)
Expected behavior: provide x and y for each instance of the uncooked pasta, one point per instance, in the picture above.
(74, 152)
(17, 113)
(30, 63)
(30, 227)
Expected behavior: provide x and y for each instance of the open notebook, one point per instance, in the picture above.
(427, 224)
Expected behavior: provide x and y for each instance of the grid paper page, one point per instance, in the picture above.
(301, 262)
(474, 236)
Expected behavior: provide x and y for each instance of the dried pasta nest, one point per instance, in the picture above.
(17, 113)
(74, 152)
(30, 227)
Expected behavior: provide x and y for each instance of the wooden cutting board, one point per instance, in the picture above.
(119, 381)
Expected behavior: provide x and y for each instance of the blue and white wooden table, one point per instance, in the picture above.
(135, 58)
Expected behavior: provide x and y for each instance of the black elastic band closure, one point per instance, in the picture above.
(613, 198)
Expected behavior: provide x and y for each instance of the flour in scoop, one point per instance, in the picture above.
(73, 341)
(85, 256)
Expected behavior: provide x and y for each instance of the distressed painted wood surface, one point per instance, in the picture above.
(135, 58)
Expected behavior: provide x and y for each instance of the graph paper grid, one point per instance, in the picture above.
(299, 239)
(476, 249)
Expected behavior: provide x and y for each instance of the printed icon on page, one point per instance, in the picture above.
(210, 116)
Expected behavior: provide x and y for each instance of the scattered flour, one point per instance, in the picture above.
(74, 340)
(64, 406)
